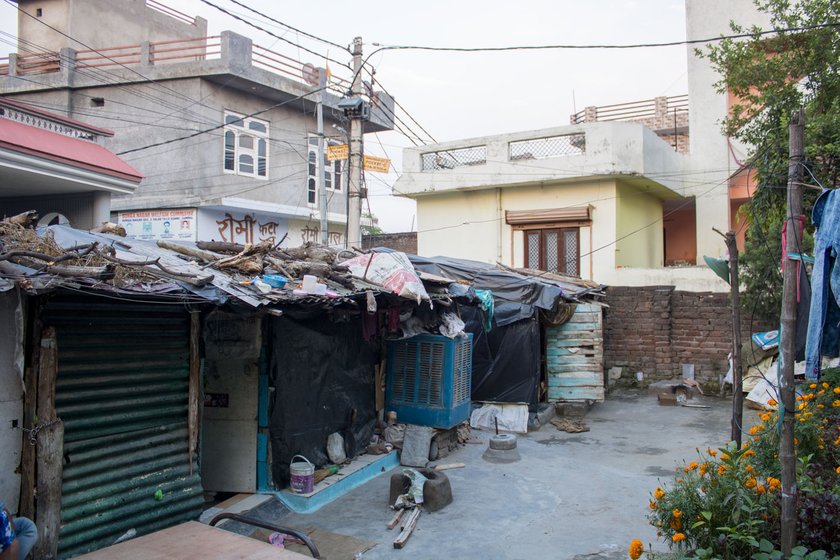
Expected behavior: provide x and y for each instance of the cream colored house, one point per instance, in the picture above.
(588, 200)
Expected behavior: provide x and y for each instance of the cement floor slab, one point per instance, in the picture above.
(572, 496)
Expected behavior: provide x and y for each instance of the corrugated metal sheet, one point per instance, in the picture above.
(575, 356)
(123, 378)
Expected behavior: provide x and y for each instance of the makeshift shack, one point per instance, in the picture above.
(544, 341)
(154, 372)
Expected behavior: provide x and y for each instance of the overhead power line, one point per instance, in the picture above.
(606, 46)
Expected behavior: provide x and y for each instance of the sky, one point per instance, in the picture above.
(462, 95)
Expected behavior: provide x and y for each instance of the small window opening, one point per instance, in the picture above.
(39, 12)
(97, 101)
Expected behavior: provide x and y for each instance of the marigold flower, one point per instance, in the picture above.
(836, 403)
(765, 417)
(693, 465)
(749, 469)
(825, 385)
(636, 549)
(704, 468)
(837, 470)
(725, 456)
(751, 482)
(753, 430)
(678, 537)
(820, 406)
(658, 493)
(760, 489)
(652, 505)
(772, 402)
(721, 469)
(748, 453)
(837, 390)
(821, 392)
(676, 524)
(711, 452)
(774, 483)
(812, 386)
(677, 513)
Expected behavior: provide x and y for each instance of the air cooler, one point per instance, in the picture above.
(430, 379)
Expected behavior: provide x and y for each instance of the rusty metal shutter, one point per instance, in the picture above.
(122, 387)
(548, 215)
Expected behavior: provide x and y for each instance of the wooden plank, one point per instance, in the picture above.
(408, 527)
(26, 507)
(50, 452)
(194, 386)
(447, 466)
(575, 393)
(396, 519)
(193, 541)
(575, 341)
(591, 377)
(574, 382)
(561, 369)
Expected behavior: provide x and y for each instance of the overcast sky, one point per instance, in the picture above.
(459, 95)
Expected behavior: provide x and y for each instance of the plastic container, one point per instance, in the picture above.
(302, 475)
(275, 280)
(312, 286)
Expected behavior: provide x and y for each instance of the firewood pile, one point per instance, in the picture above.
(126, 263)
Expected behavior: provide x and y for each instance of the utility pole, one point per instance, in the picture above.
(737, 377)
(787, 451)
(354, 191)
(322, 168)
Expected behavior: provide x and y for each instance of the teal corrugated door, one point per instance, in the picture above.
(122, 388)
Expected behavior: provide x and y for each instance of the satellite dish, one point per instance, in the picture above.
(310, 74)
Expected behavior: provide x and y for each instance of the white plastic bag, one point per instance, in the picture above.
(335, 448)
(392, 271)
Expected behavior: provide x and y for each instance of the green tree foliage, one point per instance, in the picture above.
(772, 76)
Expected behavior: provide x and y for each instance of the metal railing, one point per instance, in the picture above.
(449, 159)
(552, 146)
(632, 111)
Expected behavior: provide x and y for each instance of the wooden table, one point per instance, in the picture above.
(193, 540)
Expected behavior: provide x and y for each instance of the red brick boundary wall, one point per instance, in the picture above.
(656, 329)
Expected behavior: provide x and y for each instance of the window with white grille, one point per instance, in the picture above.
(553, 250)
(332, 178)
(246, 146)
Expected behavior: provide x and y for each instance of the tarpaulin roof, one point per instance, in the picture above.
(516, 295)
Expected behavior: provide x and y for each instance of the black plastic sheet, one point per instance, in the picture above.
(506, 360)
(322, 375)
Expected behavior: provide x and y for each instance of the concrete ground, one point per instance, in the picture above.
(577, 496)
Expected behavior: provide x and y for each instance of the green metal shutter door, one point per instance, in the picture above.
(122, 387)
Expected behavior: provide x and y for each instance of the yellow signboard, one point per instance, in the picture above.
(379, 164)
(337, 152)
(371, 163)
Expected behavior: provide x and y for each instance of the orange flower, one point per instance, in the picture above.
(753, 430)
(652, 504)
(760, 489)
(774, 483)
(725, 456)
(836, 390)
(692, 466)
(772, 402)
(658, 493)
(711, 452)
(750, 483)
(748, 453)
(749, 469)
(704, 468)
(837, 470)
(677, 513)
(636, 549)
(675, 524)
(812, 386)
(721, 469)
(678, 537)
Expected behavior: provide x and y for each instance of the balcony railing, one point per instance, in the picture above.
(634, 111)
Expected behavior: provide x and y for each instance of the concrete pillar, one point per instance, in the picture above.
(67, 63)
(147, 55)
(661, 113)
(236, 50)
(101, 207)
(13, 59)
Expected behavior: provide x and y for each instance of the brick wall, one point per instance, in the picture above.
(656, 329)
(405, 242)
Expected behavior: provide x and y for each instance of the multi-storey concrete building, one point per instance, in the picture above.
(223, 130)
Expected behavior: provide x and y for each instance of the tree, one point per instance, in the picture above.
(771, 76)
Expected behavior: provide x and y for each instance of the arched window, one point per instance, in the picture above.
(246, 146)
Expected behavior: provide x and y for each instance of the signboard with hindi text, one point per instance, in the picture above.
(175, 224)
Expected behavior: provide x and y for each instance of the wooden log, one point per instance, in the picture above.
(220, 247)
(408, 526)
(396, 519)
(97, 272)
(193, 252)
(24, 219)
(194, 386)
(34, 328)
(110, 227)
(50, 451)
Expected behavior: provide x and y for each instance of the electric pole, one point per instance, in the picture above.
(737, 374)
(787, 347)
(354, 191)
(322, 168)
